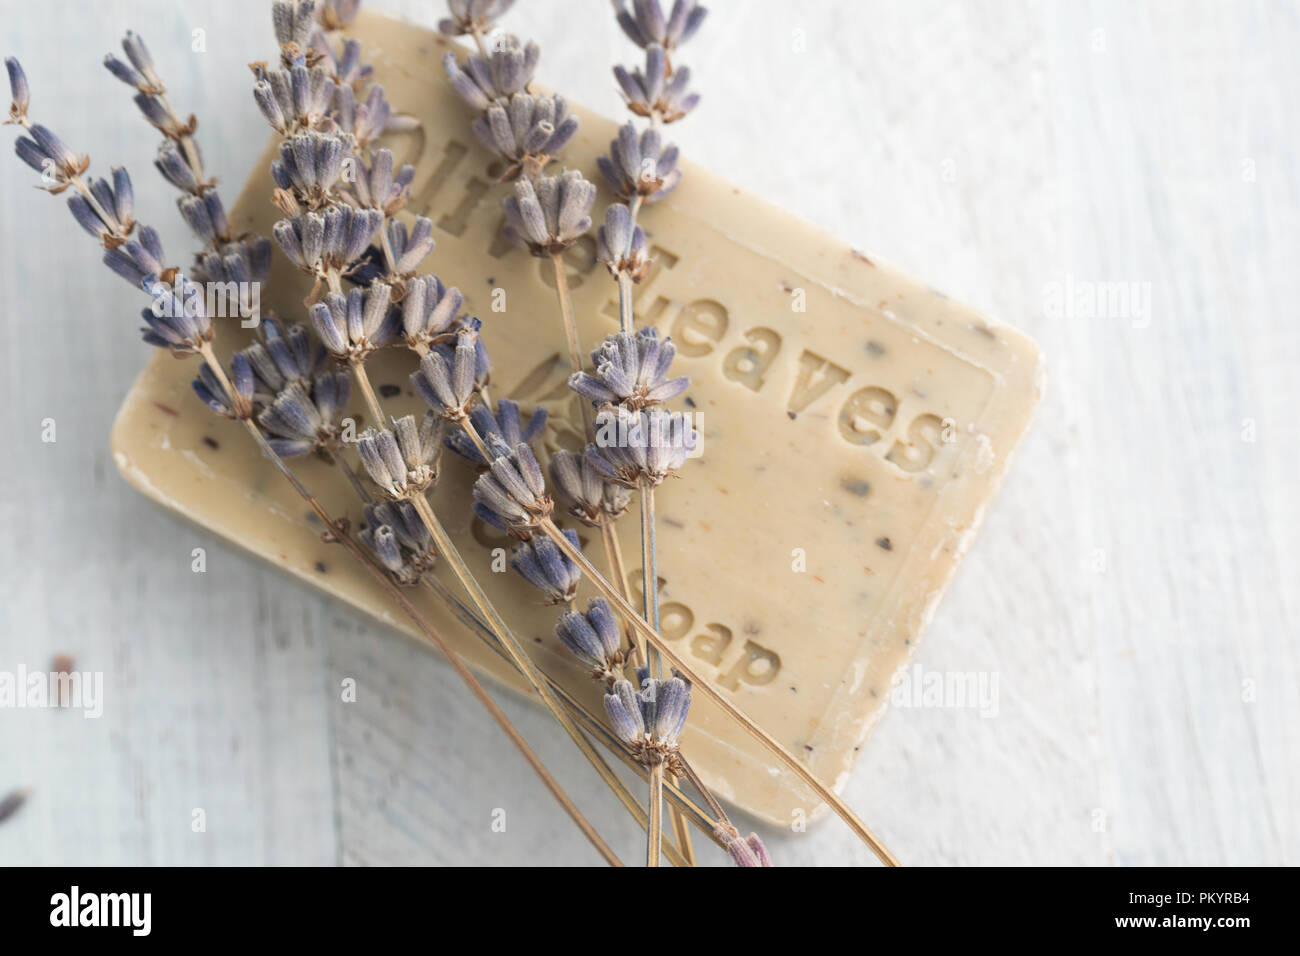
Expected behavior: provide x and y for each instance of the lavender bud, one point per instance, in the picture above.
(512, 494)
(502, 430)
(550, 213)
(20, 93)
(631, 370)
(543, 565)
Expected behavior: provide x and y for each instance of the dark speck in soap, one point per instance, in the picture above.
(875, 348)
(885, 543)
(390, 391)
(792, 415)
(690, 402)
(856, 486)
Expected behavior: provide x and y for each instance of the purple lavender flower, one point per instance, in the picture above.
(593, 637)
(504, 430)
(171, 162)
(631, 370)
(641, 446)
(399, 539)
(246, 260)
(473, 16)
(621, 246)
(403, 460)
(507, 70)
(352, 327)
(646, 24)
(109, 219)
(511, 495)
(429, 311)
(652, 720)
(448, 382)
(640, 166)
(309, 166)
(377, 188)
(299, 422)
(541, 563)
(410, 249)
(332, 241)
(137, 259)
(527, 132)
(297, 98)
(177, 319)
(294, 22)
(654, 92)
(747, 852)
(44, 152)
(344, 65)
(550, 213)
(337, 14)
(367, 120)
(211, 392)
(284, 357)
(20, 93)
(591, 497)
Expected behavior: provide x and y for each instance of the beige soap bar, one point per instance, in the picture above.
(855, 425)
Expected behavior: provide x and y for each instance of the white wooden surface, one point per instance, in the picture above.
(1134, 588)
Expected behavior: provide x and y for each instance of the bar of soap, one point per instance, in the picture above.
(856, 424)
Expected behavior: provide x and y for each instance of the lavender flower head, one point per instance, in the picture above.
(177, 320)
(550, 213)
(640, 166)
(376, 186)
(299, 422)
(511, 495)
(448, 382)
(646, 24)
(656, 92)
(109, 219)
(283, 357)
(641, 447)
(527, 131)
(353, 327)
(594, 638)
(399, 539)
(507, 70)
(473, 16)
(505, 430)
(631, 370)
(650, 721)
(296, 99)
(19, 92)
(621, 246)
(590, 496)
(213, 394)
(541, 563)
(403, 460)
(44, 152)
(337, 14)
(330, 242)
(429, 311)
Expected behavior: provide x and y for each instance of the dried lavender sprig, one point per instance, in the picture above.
(473, 18)
(654, 92)
(244, 260)
(646, 24)
(631, 371)
(506, 69)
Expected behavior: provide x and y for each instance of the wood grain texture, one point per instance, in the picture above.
(1133, 590)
